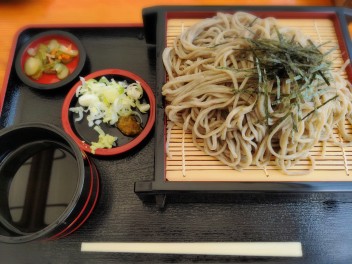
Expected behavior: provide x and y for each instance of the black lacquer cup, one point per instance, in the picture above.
(48, 186)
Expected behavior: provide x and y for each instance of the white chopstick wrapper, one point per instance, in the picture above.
(267, 249)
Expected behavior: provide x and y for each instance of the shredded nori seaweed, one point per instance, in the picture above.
(279, 60)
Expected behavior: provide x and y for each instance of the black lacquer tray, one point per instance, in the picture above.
(125, 47)
(198, 213)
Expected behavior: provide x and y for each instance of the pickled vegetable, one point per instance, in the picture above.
(49, 59)
(33, 66)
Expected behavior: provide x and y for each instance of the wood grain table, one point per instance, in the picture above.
(321, 221)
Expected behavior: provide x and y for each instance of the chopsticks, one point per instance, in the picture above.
(263, 249)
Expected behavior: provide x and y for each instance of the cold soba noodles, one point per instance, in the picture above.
(251, 91)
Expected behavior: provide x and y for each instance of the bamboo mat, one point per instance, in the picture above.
(198, 166)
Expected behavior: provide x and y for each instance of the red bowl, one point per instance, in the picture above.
(51, 81)
(82, 134)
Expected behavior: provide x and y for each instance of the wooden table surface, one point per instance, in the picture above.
(320, 221)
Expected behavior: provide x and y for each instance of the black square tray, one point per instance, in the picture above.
(318, 220)
(138, 49)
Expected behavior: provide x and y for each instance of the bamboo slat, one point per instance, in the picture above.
(195, 165)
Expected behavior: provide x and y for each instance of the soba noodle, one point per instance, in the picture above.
(215, 90)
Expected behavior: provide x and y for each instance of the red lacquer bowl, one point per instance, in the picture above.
(83, 135)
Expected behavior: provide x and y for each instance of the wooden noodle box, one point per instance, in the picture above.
(205, 174)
